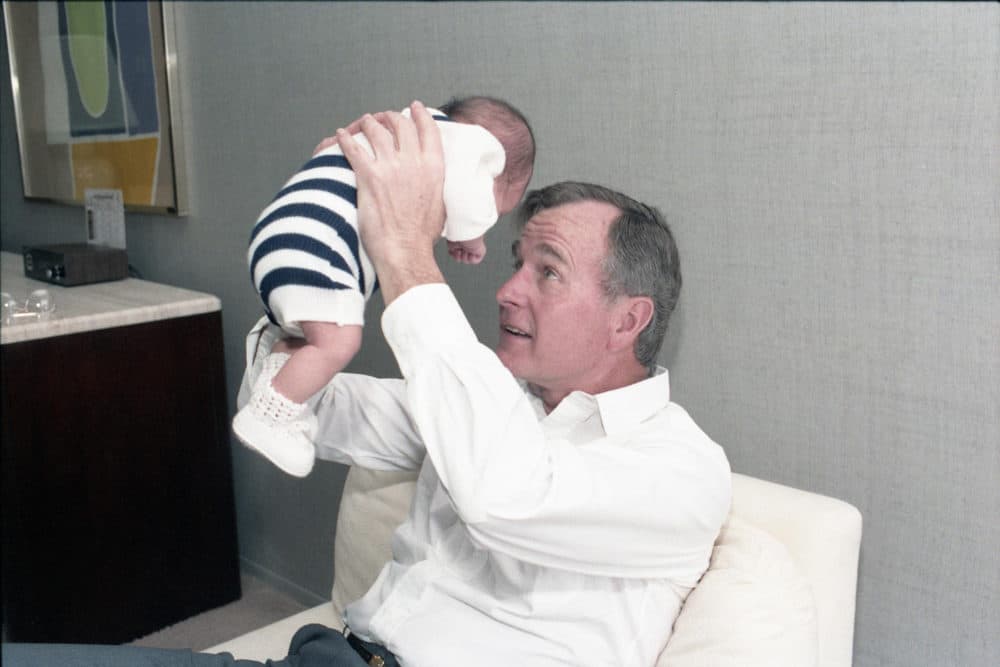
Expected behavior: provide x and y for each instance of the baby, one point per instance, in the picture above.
(313, 275)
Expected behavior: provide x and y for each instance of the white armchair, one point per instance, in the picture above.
(780, 589)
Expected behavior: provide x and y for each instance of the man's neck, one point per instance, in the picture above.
(551, 397)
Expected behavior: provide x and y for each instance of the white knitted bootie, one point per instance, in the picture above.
(277, 427)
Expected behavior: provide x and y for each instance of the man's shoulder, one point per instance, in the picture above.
(674, 429)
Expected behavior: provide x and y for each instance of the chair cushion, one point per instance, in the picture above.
(372, 506)
(752, 608)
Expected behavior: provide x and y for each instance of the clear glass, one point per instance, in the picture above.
(9, 308)
(41, 303)
(38, 306)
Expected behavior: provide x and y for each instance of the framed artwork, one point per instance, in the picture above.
(94, 86)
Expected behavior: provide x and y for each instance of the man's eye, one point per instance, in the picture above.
(549, 272)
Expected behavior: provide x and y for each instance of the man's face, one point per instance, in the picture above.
(555, 320)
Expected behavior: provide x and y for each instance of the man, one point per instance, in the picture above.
(559, 519)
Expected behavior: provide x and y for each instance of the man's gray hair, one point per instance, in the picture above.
(642, 258)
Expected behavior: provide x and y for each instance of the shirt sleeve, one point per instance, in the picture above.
(363, 421)
(649, 505)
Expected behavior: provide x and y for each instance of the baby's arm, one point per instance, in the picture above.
(468, 252)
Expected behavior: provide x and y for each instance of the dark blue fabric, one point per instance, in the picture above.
(320, 214)
(348, 193)
(327, 161)
(312, 646)
(298, 242)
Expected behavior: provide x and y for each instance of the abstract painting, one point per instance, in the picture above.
(92, 96)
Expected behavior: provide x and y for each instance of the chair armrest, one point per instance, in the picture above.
(823, 536)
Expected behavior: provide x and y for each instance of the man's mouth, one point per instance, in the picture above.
(515, 331)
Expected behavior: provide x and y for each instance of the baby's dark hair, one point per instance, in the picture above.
(503, 121)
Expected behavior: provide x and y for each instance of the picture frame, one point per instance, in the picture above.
(96, 101)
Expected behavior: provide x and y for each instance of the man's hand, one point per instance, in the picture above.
(400, 205)
(351, 129)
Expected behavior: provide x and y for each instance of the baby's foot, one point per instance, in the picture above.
(278, 428)
(467, 252)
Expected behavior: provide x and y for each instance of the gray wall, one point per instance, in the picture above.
(831, 172)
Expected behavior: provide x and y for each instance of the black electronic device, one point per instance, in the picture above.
(71, 264)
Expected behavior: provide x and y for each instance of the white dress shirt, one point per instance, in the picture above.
(569, 538)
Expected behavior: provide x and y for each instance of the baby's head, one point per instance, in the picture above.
(511, 129)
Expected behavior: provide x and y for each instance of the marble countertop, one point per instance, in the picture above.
(98, 306)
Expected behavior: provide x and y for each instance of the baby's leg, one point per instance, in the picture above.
(327, 350)
(277, 421)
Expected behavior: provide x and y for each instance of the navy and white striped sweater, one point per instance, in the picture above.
(306, 257)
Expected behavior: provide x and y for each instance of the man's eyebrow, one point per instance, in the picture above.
(545, 249)
(550, 251)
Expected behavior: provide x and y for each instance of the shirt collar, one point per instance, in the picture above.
(623, 408)
(620, 409)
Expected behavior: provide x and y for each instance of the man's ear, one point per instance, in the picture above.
(634, 314)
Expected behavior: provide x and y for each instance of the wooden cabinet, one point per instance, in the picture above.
(118, 515)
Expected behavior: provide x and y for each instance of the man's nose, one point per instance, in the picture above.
(510, 292)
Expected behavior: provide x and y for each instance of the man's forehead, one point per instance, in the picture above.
(573, 220)
(584, 212)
